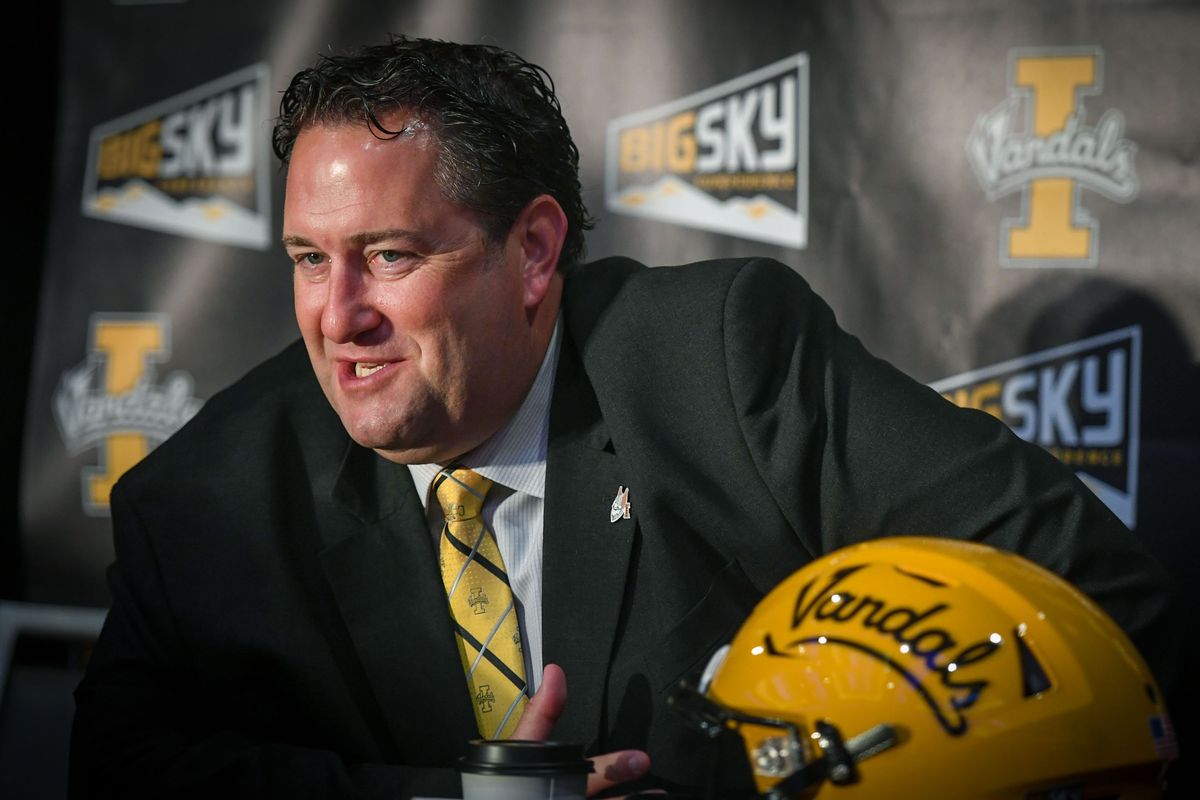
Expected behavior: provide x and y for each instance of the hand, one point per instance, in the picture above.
(537, 723)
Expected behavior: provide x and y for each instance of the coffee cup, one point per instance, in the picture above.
(515, 769)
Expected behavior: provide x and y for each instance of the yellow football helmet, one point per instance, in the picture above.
(934, 668)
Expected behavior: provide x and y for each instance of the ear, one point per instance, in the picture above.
(539, 232)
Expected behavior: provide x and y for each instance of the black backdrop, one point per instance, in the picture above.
(897, 189)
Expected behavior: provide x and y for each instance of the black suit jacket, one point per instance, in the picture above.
(279, 626)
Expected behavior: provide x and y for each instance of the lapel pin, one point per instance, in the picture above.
(620, 505)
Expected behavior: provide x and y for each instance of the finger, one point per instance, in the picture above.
(545, 707)
(613, 769)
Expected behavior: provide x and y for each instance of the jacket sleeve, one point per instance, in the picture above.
(143, 727)
(851, 448)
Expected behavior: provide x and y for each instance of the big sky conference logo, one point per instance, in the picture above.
(112, 403)
(194, 164)
(1080, 401)
(731, 159)
(1038, 143)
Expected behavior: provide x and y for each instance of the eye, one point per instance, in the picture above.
(307, 259)
(391, 262)
(310, 264)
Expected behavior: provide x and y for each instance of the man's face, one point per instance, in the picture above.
(416, 325)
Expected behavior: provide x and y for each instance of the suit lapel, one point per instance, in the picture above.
(585, 556)
(379, 561)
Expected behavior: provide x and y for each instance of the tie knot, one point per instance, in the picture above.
(460, 492)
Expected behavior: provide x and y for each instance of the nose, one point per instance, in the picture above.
(349, 311)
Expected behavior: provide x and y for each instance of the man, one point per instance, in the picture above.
(651, 451)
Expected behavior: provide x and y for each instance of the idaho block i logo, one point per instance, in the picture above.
(1080, 401)
(731, 159)
(111, 402)
(1038, 143)
(194, 164)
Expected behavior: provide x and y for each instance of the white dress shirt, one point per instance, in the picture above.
(514, 458)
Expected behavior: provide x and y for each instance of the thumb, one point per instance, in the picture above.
(614, 769)
(545, 707)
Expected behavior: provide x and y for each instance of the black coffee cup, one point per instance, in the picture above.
(513, 769)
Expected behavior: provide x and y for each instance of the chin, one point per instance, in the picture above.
(375, 440)
(387, 441)
(367, 430)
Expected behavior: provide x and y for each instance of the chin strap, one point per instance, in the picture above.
(838, 759)
(838, 762)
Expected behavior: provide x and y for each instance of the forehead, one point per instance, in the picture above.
(346, 174)
(337, 148)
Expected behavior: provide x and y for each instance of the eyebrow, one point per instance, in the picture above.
(362, 239)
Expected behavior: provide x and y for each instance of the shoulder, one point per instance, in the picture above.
(623, 279)
(274, 410)
(619, 297)
(662, 345)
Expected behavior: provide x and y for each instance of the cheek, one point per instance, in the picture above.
(308, 305)
(434, 318)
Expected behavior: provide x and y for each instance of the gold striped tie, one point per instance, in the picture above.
(481, 602)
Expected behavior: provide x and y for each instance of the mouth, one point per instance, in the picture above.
(362, 374)
(362, 368)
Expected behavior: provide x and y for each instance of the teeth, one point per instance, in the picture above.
(362, 370)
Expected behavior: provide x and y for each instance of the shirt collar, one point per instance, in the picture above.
(514, 456)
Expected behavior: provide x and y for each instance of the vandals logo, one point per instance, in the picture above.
(1038, 143)
(194, 164)
(111, 401)
(731, 159)
(1080, 401)
(944, 653)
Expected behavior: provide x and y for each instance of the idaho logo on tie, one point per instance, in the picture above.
(481, 604)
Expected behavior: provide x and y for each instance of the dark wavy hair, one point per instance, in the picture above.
(501, 134)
